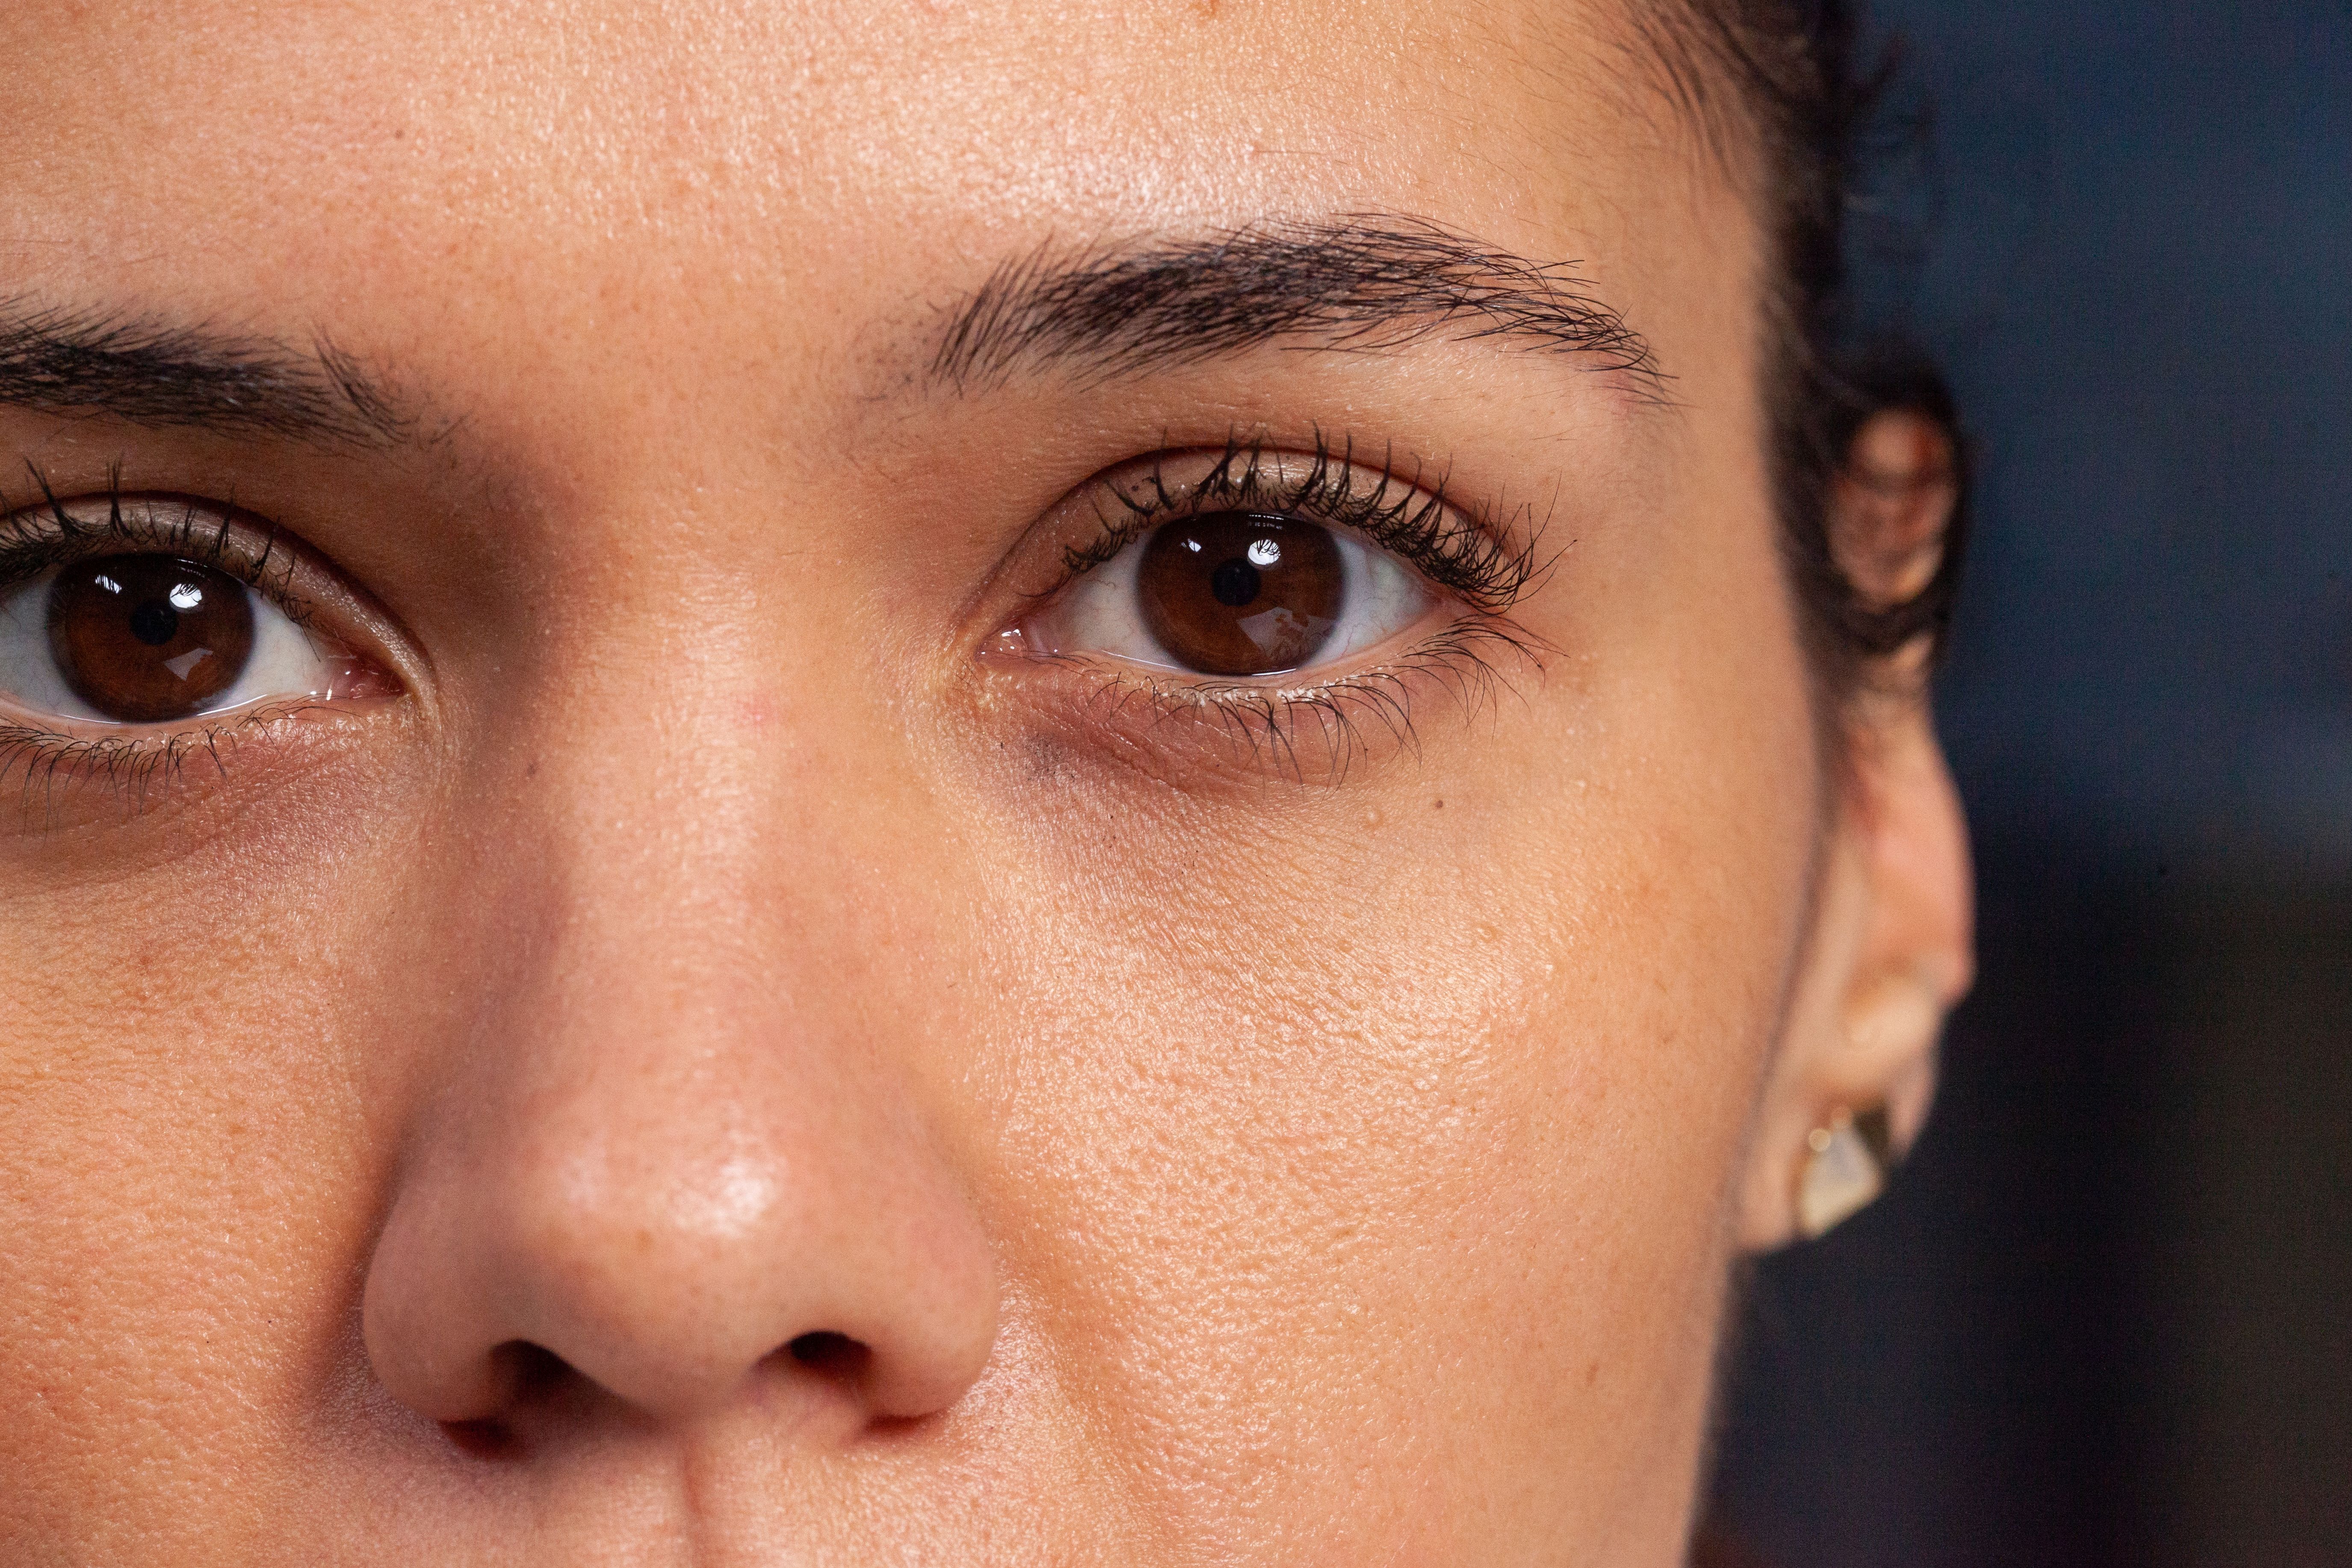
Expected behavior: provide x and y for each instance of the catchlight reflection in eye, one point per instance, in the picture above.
(150, 639)
(1234, 594)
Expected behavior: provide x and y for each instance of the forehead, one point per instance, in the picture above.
(531, 168)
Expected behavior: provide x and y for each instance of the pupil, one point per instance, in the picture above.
(1234, 583)
(154, 623)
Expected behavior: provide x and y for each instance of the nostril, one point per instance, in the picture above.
(530, 1372)
(832, 1355)
(488, 1438)
(530, 1376)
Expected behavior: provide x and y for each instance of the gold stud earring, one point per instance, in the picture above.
(1843, 1171)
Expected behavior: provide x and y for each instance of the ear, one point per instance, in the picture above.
(1891, 947)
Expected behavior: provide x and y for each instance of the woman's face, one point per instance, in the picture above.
(1005, 785)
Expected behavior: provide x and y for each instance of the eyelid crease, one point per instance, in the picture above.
(1488, 565)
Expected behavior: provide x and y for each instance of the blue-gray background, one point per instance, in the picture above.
(2106, 1314)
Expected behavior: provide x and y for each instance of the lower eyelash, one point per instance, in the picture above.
(1325, 730)
(51, 769)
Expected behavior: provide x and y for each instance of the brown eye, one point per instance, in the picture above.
(1234, 594)
(147, 639)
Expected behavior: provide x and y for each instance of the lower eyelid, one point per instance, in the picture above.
(1183, 731)
(55, 779)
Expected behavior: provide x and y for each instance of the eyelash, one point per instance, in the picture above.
(1463, 551)
(38, 534)
(1467, 558)
(132, 768)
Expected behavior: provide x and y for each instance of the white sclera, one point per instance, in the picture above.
(1099, 614)
(285, 664)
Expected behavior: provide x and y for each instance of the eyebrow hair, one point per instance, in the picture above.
(149, 373)
(1359, 282)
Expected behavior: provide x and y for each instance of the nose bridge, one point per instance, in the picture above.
(659, 844)
(664, 1153)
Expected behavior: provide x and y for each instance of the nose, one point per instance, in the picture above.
(677, 1199)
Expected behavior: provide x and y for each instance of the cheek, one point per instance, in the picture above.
(185, 1176)
(1401, 1122)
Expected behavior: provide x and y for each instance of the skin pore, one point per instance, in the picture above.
(705, 1050)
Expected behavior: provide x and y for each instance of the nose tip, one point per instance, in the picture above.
(845, 1268)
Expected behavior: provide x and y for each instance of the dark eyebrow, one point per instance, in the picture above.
(145, 371)
(1362, 282)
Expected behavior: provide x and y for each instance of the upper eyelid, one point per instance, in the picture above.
(1460, 549)
(55, 529)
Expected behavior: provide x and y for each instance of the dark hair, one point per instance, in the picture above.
(1780, 89)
